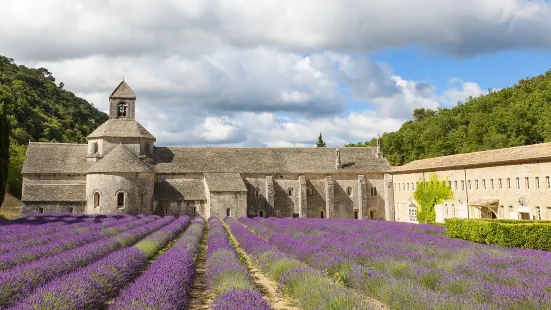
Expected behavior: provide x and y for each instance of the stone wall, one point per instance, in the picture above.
(133, 185)
(286, 204)
(190, 208)
(74, 207)
(531, 196)
(236, 202)
(256, 195)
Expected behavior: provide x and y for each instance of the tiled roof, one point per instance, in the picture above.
(123, 91)
(120, 159)
(121, 128)
(180, 190)
(54, 192)
(225, 182)
(524, 153)
(267, 160)
(63, 158)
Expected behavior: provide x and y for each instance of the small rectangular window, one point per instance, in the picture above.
(537, 183)
(518, 182)
(484, 183)
(450, 184)
(538, 213)
(462, 185)
(527, 183)
(500, 184)
(548, 182)
(470, 185)
(455, 184)
(475, 184)
(508, 183)
(492, 183)
(408, 186)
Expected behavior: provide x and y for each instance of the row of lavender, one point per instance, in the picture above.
(227, 277)
(18, 282)
(409, 267)
(32, 226)
(93, 286)
(309, 287)
(17, 253)
(166, 284)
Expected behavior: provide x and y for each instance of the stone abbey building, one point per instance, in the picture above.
(120, 170)
(507, 183)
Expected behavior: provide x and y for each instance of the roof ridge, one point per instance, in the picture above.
(268, 147)
(485, 151)
(56, 143)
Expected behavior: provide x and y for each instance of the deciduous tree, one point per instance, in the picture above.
(429, 193)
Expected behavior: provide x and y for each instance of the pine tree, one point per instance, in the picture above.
(320, 142)
(4, 151)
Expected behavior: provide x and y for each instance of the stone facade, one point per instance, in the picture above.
(512, 183)
(120, 170)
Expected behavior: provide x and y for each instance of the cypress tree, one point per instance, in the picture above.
(320, 142)
(4, 151)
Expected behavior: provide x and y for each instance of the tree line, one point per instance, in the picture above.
(514, 116)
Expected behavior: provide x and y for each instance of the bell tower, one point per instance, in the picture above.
(122, 103)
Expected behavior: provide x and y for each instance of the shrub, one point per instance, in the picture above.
(534, 235)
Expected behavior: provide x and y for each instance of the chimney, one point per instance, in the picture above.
(338, 161)
(379, 152)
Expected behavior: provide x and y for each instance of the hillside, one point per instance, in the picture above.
(40, 110)
(518, 115)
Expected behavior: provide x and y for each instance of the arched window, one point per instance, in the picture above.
(146, 149)
(356, 214)
(70, 209)
(322, 214)
(122, 108)
(349, 190)
(228, 212)
(40, 210)
(257, 192)
(120, 200)
(96, 199)
(310, 192)
(141, 199)
(290, 191)
(261, 213)
(372, 214)
(166, 210)
(193, 210)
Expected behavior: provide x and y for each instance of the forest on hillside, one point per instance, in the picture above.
(514, 116)
(40, 110)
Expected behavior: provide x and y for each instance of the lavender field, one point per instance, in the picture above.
(69, 261)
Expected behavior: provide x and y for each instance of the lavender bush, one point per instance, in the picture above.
(92, 286)
(412, 266)
(29, 254)
(166, 284)
(21, 280)
(227, 278)
(296, 278)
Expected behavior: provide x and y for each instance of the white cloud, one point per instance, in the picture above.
(60, 29)
(459, 91)
(273, 73)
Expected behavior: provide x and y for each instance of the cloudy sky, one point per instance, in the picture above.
(279, 72)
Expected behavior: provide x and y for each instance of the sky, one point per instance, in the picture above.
(278, 73)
